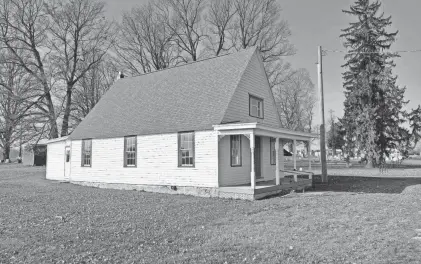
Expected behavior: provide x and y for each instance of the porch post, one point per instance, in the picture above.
(294, 156)
(252, 172)
(281, 159)
(278, 179)
(309, 155)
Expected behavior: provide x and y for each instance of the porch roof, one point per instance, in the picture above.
(259, 129)
(54, 140)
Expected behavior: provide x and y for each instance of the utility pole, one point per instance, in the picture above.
(322, 116)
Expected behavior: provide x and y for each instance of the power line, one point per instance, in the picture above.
(373, 52)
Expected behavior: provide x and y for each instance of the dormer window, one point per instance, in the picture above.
(256, 106)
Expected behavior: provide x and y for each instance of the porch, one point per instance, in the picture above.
(251, 161)
(264, 189)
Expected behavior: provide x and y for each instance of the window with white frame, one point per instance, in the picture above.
(272, 151)
(86, 152)
(235, 150)
(255, 106)
(186, 149)
(130, 151)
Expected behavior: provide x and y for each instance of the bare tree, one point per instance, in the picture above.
(296, 100)
(278, 72)
(17, 99)
(259, 23)
(184, 19)
(220, 20)
(145, 41)
(91, 87)
(24, 26)
(80, 39)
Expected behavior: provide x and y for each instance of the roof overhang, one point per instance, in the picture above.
(262, 130)
(54, 140)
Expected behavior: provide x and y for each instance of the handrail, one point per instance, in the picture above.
(296, 173)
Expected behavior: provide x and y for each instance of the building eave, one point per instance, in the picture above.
(260, 129)
(54, 140)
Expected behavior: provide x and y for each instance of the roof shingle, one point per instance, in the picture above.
(188, 97)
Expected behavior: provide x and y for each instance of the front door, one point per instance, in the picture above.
(67, 163)
(257, 157)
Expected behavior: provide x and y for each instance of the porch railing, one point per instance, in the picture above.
(296, 173)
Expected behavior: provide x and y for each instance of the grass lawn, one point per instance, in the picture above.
(408, 169)
(50, 222)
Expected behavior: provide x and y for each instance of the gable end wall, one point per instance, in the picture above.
(55, 161)
(254, 82)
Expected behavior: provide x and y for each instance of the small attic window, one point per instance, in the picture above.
(256, 106)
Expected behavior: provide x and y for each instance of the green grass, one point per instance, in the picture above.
(50, 222)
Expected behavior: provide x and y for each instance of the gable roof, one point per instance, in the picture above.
(190, 97)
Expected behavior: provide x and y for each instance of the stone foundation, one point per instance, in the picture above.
(188, 190)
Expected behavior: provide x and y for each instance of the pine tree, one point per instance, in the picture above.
(336, 136)
(415, 125)
(373, 102)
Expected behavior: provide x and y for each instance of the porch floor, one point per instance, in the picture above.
(265, 188)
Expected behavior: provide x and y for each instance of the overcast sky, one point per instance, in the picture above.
(319, 22)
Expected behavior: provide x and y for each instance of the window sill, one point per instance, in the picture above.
(257, 117)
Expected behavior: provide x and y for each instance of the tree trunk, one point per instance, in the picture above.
(66, 117)
(51, 112)
(93, 88)
(7, 140)
(6, 151)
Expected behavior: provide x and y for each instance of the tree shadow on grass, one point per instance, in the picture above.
(363, 184)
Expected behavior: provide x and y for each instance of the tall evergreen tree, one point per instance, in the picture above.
(373, 102)
(336, 136)
(414, 118)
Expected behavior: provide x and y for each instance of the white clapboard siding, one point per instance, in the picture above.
(157, 161)
(268, 171)
(253, 82)
(231, 176)
(55, 160)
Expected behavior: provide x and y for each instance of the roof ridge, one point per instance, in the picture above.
(238, 83)
(193, 62)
